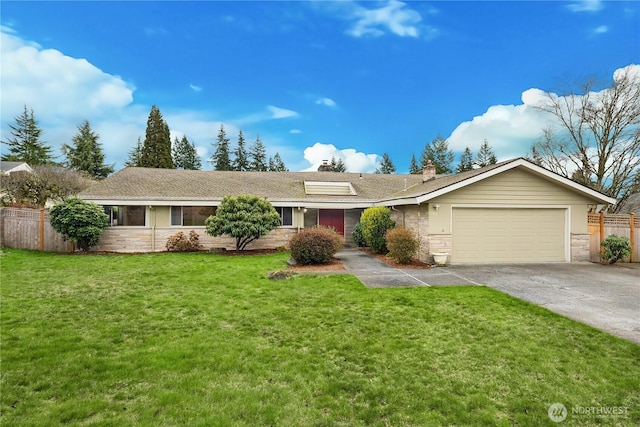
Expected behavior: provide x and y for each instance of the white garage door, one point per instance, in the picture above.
(482, 235)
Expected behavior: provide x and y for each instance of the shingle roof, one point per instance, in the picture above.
(7, 166)
(168, 184)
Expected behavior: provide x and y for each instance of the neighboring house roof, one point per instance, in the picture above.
(632, 205)
(168, 186)
(8, 167)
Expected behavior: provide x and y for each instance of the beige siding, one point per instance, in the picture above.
(483, 235)
(515, 186)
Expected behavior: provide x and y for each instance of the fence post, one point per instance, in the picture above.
(632, 236)
(42, 229)
(601, 235)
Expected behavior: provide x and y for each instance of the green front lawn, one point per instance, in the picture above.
(200, 339)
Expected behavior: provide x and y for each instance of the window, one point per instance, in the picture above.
(125, 215)
(286, 216)
(190, 216)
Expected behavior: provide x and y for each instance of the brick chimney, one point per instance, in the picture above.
(429, 172)
(325, 166)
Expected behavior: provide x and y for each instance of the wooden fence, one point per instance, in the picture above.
(30, 229)
(603, 225)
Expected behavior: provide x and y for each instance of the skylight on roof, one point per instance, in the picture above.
(329, 188)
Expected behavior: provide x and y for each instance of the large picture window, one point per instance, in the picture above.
(125, 215)
(190, 216)
(286, 216)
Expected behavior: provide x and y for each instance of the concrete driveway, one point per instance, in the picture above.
(605, 297)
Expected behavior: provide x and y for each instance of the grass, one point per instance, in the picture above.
(200, 339)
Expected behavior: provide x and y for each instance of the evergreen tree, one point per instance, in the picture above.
(185, 155)
(220, 159)
(413, 166)
(86, 153)
(25, 144)
(386, 165)
(156, 150)
(258, 156)
(439, 154)
(485, 156)
(466, 161)
(276, 164)
(134, 156)
(241, 161)
(337, 165)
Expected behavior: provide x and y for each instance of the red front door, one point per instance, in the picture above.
(332, 218)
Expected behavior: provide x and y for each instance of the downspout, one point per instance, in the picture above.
(153, 230)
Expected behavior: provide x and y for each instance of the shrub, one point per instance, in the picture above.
(79, 221)
(357, 236)
(314, 245)
(375, 222)
(615, 249)
(181, 243)
(402, 244)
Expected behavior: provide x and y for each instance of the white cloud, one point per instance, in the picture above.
(326, 101)
(509, 129)
(195, 88)
(512, 129)
(392, 17)
(281, 113)
(585, 6)
(55, 85)
(601, 29)
(295, 131)
(354, 161)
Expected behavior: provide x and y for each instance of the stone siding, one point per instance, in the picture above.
(439, 243)
(141, 239)
(580, 247)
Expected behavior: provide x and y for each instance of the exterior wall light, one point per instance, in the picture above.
(436, 206)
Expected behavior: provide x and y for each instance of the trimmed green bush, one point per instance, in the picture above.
(402, 244)
(615, 248)
(314, 245)
(356, 235)
(79, 221)
(375, 222)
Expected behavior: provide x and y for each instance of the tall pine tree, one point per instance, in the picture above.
(241, 159)
(185, 155)
(386, 165)
(466, 161)
(337, 165)
(258, 156)
(25, 144)
(134, 156)
(414, 168)
(156, 150)
(276, 164)
(220, 159)
(486, 156)
(439, 154)
(85, 154)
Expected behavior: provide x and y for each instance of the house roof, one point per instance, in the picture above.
(145, 185)
(8, 166)
(168, 186)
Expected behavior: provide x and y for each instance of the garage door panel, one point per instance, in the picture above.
(482, 235)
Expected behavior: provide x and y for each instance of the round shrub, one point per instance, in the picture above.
(79, 221)
(615, 248)
(314, 245)
(356, 235)
(402, 244)
(179, 242)
(375, 222)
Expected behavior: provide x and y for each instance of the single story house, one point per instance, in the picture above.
(7, 168)
(513, 211)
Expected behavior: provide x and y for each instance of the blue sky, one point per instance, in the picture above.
(314, 79)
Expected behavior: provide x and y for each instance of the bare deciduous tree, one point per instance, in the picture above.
(595, 137)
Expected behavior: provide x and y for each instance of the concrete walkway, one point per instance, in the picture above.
(376, 274)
